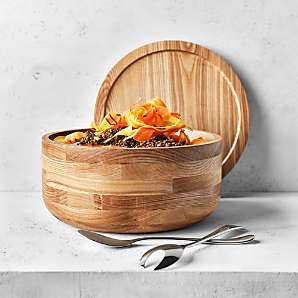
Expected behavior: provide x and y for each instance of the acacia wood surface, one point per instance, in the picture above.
(124, 190)
(192, 80)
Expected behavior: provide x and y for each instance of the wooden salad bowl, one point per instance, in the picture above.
(131, 190)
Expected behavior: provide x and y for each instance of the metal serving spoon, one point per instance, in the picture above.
(173, 252)
(122, 243)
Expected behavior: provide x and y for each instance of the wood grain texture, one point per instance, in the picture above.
(125, 190)
(192, 80)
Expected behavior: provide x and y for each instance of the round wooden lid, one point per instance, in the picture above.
(192, 80)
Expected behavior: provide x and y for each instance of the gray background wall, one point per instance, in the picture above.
(54, 55)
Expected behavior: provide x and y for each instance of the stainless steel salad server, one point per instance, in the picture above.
(122, 242)
(174, 252)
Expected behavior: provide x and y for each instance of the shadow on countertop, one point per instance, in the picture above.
(236, 212)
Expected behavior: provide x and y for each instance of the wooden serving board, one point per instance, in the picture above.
(192, 80)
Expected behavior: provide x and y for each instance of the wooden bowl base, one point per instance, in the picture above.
(193, 208)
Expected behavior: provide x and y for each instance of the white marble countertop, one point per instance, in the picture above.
(32, 240)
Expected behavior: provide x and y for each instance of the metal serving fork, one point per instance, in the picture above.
(127, 242)
(173, 252)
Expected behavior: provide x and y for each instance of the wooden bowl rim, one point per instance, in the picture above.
(46, 138)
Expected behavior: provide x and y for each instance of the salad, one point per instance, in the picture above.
(147, 125)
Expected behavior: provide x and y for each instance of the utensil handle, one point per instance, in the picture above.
(222, 230)
(236, 240)
(210, 241)
(167, 238)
